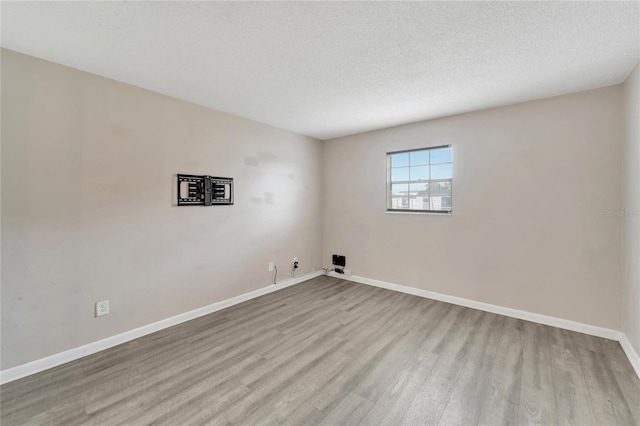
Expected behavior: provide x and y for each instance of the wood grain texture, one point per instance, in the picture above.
(333, 352)
(537, 403)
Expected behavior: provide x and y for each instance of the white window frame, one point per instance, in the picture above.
(390, 209)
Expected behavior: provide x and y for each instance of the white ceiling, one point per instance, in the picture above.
(328, 69)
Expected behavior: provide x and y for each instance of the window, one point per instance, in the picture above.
(420, 180)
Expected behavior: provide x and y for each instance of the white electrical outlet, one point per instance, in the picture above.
(102, 308)
(295, 259)
(270, 266)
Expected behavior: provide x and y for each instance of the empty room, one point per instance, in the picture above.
(320, 213)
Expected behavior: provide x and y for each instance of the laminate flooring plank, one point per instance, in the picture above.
(174, 409)
(429, 404)
(376, 383)
(290, 342)
(369, 294)
(502, 396)
(109, 394)
(123, 355)
(181, 348)
(607, 399)
(466, 399)
(623, 371)
(370, 313)
(306, 310)
(272, 383)
(319, 316)
(307, 348)
(358, 317)
(350, 411)
(152, 391)
(432, 332)
(334, 290)
(394, 402)
(376, 326)
(207, 407)
(330, 395)
(283, 403)
(65, 412)
(114, 414)
(415, 312)
(592, 343)
(289, 296)
(391, 406)
(304, 415)
(62, 415)
(219, 341)
(350, 290)
(573, 406)
(537, 396)
(166, 377)
(630, 386)
(39, 382)
(44, 397)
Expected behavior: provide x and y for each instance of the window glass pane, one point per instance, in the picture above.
(440, 189)
(441, 171)
(419, 203)
(399, 174)
(420, 173)
(440, 195)
(400, 189)
(420, 180)
(441, 155)
(400, 160)
(399, 203)
(441, 203)
(419, 188)
(419, 158)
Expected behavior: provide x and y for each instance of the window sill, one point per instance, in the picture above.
(419, 213)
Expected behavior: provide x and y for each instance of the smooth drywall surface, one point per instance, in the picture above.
(88, 194)
(631, 212)
(533, 188)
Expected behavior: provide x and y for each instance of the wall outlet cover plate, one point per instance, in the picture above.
(102, 308)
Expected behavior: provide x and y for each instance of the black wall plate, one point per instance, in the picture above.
(339, 260)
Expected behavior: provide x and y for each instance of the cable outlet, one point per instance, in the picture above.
(102, 308)
(270, 266)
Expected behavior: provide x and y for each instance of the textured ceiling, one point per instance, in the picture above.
(329, 69)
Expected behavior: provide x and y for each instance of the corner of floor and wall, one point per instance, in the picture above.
(88, 175)
(541, 224)
(542, 228)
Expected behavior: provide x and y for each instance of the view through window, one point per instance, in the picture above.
(420, 180)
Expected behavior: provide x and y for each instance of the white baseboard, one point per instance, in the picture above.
(487, 307)
(634, 359)
(55, 360)
(592, 330)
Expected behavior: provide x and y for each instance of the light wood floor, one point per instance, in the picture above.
(333, 352)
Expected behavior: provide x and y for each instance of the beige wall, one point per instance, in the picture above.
(531, 185)
(88, 177)
(88, 169)
(631, 324)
